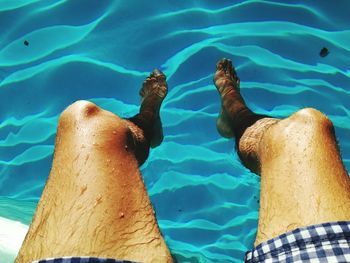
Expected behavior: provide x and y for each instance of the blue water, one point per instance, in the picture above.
(206, 202)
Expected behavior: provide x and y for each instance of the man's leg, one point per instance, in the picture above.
(95, 202)
(303, 179)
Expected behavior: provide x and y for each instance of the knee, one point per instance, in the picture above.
(80, 108)
(298, 131)
(305, 123)
(77, 111)
(312, 118)
(85, 122)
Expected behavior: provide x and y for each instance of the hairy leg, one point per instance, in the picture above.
(303, 180)
(94, 202)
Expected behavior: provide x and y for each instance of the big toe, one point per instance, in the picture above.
(157, 73)
(224, 64)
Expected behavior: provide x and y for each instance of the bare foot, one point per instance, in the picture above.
(227, 84)
(153, 92)
(225, 76)
(236, 119)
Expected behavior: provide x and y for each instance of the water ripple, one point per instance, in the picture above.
(219, 11)
(32, 154)
(44, 42)
(14, 4)
(29, 72)
(270, 28)
(36, 131)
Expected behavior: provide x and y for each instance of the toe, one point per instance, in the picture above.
(224, 69)
(219, 64)
(157, 73)
(228, 67)
(223, 63)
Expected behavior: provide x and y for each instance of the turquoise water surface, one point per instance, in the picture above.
(206, 202)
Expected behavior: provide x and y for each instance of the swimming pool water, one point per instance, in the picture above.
(206, 202)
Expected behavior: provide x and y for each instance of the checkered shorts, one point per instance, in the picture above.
(81, 260)
(328, 242)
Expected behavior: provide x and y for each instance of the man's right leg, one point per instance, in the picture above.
(303, 179)
(95, 202)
